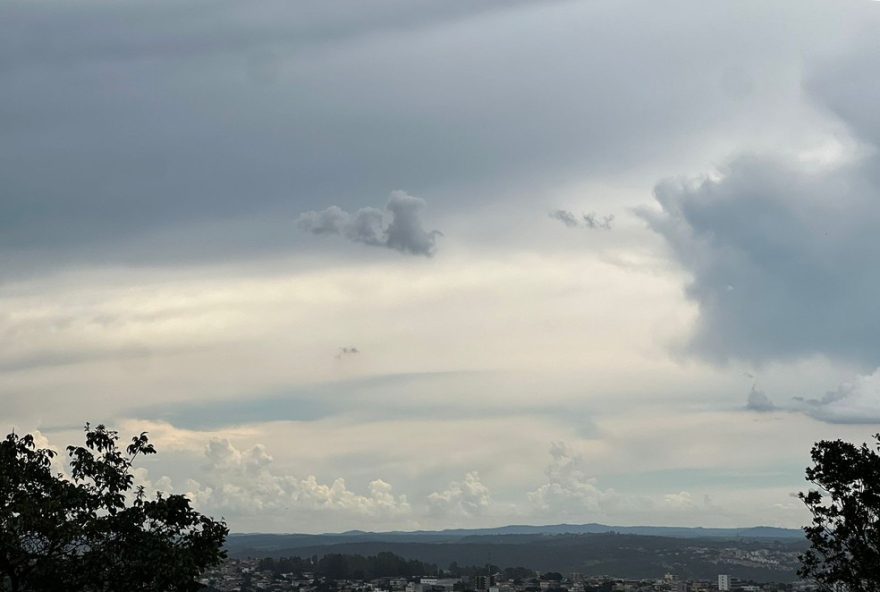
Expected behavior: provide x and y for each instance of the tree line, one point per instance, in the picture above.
(340, 566)
(337, 566)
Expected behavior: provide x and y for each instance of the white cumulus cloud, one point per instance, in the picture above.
(569, 489)
(244, 481)
(469, 497)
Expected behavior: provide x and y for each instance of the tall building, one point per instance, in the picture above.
(723, 583)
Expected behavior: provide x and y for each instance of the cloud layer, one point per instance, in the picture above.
(301, 108)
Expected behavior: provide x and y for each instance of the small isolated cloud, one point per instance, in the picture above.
(591, 221)
(565, 217)
(347, 351)
(466, 498)
(682, 500)
(759, 401)
(399, 226)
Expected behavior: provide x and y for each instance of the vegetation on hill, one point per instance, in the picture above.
(336, 566)
(593, 554)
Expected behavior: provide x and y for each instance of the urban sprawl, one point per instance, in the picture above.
(244, 575)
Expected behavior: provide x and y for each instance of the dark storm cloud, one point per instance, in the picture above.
(783, 255)
(404, 231)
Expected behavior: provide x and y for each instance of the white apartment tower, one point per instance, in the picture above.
(723, 583)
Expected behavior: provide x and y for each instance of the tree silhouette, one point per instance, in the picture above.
(94, 530)
(844, 535)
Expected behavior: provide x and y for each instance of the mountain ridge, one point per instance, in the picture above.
(759, 532)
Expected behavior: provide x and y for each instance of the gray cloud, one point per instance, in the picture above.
(759, 401)
(404, 231)
(854, 402)
(781, 253)
(591, 220)
(330, 221)
(564, 216)
(779, 258)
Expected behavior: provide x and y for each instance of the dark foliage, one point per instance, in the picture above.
(336, 566)
(845, 532)
(95, 530)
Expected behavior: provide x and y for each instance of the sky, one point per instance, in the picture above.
(421, 264)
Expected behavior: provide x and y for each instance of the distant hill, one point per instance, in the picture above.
(595, 528)
(762, 554)
(454, 535)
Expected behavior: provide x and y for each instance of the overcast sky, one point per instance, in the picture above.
(425, 263)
